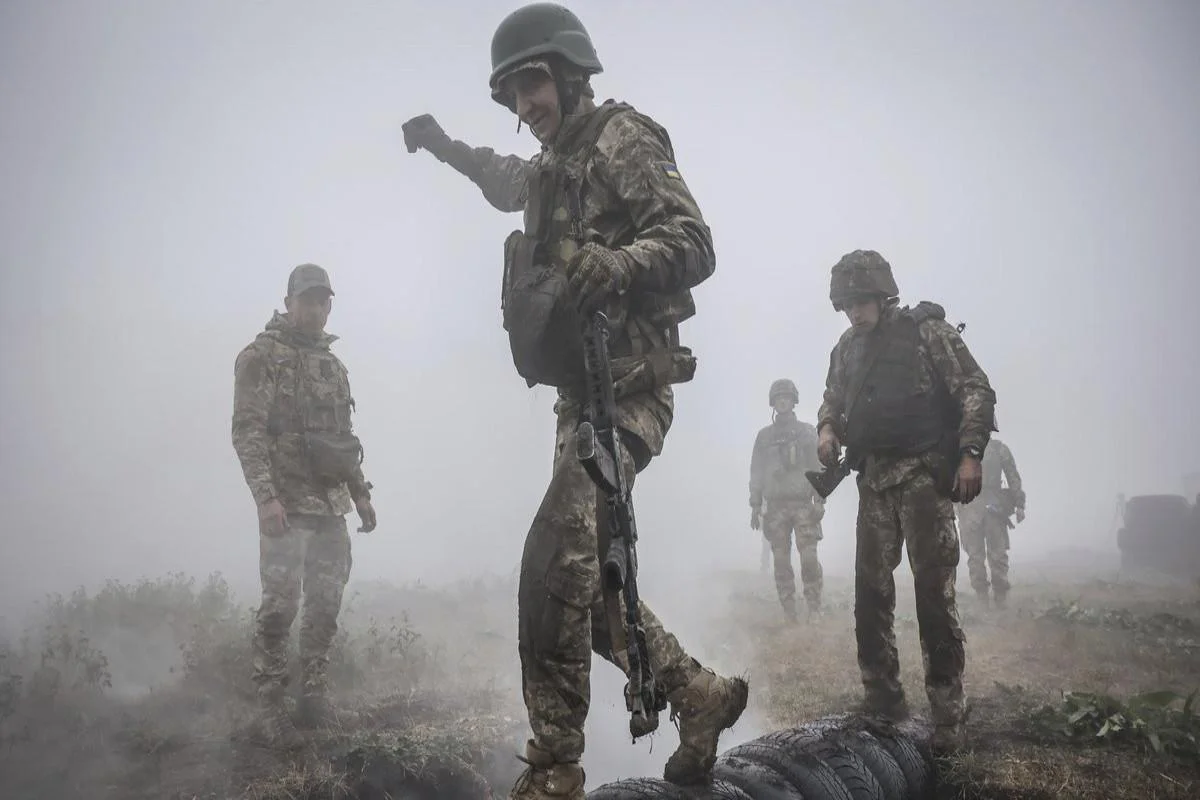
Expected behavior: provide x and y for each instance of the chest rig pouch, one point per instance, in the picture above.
(323, 404)
(545, 331)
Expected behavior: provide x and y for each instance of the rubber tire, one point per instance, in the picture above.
(755, 779)
(879, 761)
(639, 789)
(723, 790)
(893, 779)
(918, 771)
(906, 742)
(852, 770)
(814, 779)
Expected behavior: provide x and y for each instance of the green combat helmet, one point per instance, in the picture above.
(858, 274)
(783, 388)
(540, 29)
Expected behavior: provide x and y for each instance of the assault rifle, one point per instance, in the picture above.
(599, 449)
(1007, 502)
(824, 481)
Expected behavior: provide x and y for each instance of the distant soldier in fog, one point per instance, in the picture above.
(984, 524)
(782, 452)
(610, 225)
(915, 412)
(293, 435)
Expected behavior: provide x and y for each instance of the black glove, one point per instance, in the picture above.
(423, 131)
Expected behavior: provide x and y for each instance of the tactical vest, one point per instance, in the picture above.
(314, 406)
(889, 412)
(544, 328)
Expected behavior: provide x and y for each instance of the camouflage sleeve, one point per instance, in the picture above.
(1009, 464)
(834, 403)
(964, 378)
(253, 396)
(358, 485)
(757, 472)
(502, 179)
(672, 249)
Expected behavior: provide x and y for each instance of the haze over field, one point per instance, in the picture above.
(1031, 166)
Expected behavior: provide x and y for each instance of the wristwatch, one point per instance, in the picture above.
(973, 451)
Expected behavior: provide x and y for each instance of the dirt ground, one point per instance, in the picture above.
(142, 691)
(1059, 634)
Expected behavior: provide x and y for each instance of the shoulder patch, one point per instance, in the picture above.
(670, 170)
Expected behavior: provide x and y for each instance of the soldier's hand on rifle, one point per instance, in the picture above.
(969, 480)
(755, 519)
(272, 519)
(594, 273)
(1020, 515)
(423, 131)
(366, 513)
(829, 449)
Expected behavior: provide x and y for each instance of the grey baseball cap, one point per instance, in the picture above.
(308, 276)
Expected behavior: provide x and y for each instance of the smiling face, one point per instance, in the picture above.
(535, 101)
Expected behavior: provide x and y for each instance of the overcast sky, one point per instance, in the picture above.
(1033, 166)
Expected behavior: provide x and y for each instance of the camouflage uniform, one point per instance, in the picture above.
(606, 181)
(901, 501)
(984, 526)
(287, 383)
(782, 452)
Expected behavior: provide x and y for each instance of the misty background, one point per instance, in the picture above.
(1032, 166)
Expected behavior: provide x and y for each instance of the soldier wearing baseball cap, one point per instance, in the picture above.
(303, 465)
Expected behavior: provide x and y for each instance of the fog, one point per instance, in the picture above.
(1033, 167)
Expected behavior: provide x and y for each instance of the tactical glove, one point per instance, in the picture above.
(424, 131)
(594, 273)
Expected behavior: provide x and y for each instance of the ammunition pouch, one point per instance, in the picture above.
(649, 371)
(545, 331)
(333, 458)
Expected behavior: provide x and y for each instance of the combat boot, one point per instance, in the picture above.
(278, 730)
(708, 705)
(981, 595)
(546, 779)
(1001, 600)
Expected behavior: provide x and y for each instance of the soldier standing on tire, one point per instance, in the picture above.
(610, 224)
(915, 411)
(294, 438)
(984, 524)
(783, 451)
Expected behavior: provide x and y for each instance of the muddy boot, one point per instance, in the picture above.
(314, 711)
(1001, 600)
(546, 779)
(278, 730)
(789, 614)
(981, 596)
(947, 739)
(705, 707)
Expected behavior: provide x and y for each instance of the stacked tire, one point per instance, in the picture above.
(842, 757)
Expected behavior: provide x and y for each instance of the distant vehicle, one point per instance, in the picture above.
(1161, 532)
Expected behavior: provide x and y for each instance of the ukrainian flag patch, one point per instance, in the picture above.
(670, 170)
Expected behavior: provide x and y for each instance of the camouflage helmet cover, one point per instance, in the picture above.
(539, 30)
(782, 387)
(861, 273)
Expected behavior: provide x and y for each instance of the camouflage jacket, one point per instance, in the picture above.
(634, 200)
(782, 452)
(274, 377)
(998, 461)
(945, 358)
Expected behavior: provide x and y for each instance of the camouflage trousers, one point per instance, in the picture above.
(911, 515)
(802, 517)
(985, 540)
(561, 610)
(311, 557)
